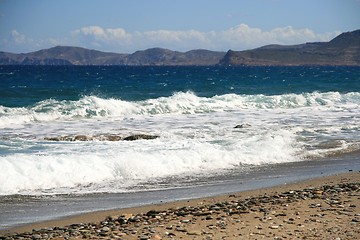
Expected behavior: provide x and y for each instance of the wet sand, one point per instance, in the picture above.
(321, 208)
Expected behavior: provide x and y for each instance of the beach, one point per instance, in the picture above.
(321, 208)
(71, 155)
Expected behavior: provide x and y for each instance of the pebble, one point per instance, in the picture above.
(274, 227)
(198, 233)
(227, 213)
(105, 229)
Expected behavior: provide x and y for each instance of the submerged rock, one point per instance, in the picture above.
(102, 137)
(70, 138)
(140, 136)
(244, 125)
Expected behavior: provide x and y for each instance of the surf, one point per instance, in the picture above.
(178, 103)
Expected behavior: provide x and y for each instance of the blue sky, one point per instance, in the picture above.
(128, 25)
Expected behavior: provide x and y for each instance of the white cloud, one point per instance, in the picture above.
(104, 35)
(237, 38)
(244, 37)
(240, 37)
(17, 37)
(16, 42)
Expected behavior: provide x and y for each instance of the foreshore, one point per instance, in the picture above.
(322, 208)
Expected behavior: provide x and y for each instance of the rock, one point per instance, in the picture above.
(105, 229)
(152, 213)
(194, 233)
(181, 229)
(170, 234)
(282, 214)
(55, 139)
(113, 138)
(36, 236)
(318, 192)
(244, 125)
(82, 138)
(140, 136)
(274, 226)
(102, 137)
(207, 213)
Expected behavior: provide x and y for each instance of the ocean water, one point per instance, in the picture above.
(287, 114)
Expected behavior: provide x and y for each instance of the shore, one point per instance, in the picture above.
(322, 208)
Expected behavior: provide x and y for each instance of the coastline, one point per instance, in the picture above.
(18, 210)
(283, 218)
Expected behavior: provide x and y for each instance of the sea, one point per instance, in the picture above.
(213, 125)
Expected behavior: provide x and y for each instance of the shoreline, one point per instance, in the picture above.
(252, 218)
(20, 211)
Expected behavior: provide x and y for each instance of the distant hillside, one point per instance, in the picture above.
(80, 56)
(342, 50)
(159, 56)
(62, 56)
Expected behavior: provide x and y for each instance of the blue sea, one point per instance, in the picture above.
(284, 115)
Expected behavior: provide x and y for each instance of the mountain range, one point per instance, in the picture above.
(342, 50)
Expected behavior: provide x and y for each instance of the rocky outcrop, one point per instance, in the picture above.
(344, 50)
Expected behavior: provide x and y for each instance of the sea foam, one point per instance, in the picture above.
(197, 138)
(115, 166)
(178, 103)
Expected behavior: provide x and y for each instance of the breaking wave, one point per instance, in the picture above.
(115, 166)
(178, 103)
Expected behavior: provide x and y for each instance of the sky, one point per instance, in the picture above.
(125, 26)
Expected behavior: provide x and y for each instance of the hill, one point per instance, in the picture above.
(62, 55)
(342, 50)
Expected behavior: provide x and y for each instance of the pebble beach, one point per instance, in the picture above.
(321, 208)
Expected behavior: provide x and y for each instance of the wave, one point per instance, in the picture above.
(178, 103)
(116, 166)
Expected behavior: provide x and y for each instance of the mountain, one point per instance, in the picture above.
(342, 50)
(62, 55)
(159, 56)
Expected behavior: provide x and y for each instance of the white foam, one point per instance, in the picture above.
(197, 136)
(75, 165)
(179, 103)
